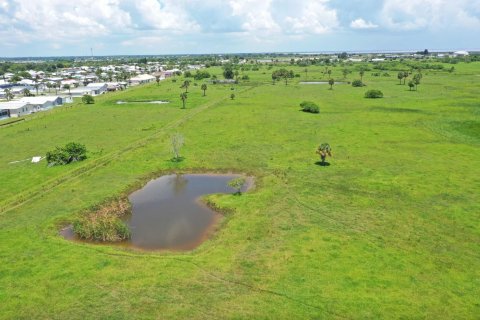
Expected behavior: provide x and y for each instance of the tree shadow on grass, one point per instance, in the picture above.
(179, 159)
(322, 164)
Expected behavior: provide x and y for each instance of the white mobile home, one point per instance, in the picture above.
(16, 109)
(141, 79)
(97, 88)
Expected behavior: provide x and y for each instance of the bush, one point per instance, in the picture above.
(70, 153)
(237, 184)
(309, 106)
(357, 83)
(201, 75)
(104, 224)
(373, 94)
(88, 99)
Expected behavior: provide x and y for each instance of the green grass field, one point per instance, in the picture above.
(389, 230)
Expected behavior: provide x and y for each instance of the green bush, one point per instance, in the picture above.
(88, 99)
(309, 106)
(374, 94)
(357, 83)
(70, 153)
(237, 184)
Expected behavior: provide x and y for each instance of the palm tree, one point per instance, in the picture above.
(361, 73)
(185, 85)
(345, 73)
(183, 96)
(157, 78)
(8, 94)
(324, 150)
(36, 86)
(306, 73)
(204, 88)
(26, 92)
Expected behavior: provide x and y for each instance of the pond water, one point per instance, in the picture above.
(167, 212)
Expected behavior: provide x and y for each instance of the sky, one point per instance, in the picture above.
(147, 27)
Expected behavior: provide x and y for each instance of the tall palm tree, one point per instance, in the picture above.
(204, 88)
(8, 94)
(183, 96)
(361, 73)
(185, 85)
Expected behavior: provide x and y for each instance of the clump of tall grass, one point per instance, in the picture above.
(104, 223)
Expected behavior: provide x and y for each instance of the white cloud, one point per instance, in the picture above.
(362, 24)
(314, 17)
(256, 15)
(165, 15)
(430, 14)
(68, 20)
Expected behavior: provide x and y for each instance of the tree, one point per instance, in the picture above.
(236, 75)
(237, 184)
(282, 74)
(88, 99)
(405, 76)
(8, 94)
(67, 87)
(306, 73)
(324, 150)
(185, 85)
(204, 88)
(176, 142)
(26, 92)
(345, 72)
(416, 80)
(36, 85)
(361, 73)
(400, 76)
(411, 85)
(183, 96)
(228, 72)
(157, 78)
(232, 96)
(331, 82)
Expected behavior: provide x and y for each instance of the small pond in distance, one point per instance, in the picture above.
(167, 213)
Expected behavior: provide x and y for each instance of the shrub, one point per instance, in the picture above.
(72, 152)
(237, 184)
(88, 99)
(104, 224)
(309, 106)
(245, 77)
(357, 83)
(373, 94)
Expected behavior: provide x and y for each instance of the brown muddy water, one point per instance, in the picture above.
(168, 214)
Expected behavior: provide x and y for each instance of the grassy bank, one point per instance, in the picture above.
(388, 230)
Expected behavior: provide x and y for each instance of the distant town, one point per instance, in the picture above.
(29, 85)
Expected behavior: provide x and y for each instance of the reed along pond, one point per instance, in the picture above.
(168, 214)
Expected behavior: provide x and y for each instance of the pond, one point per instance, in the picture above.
(168, 214)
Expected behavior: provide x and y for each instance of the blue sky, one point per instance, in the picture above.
(63, 27)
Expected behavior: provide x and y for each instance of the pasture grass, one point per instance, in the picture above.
(388, 230)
